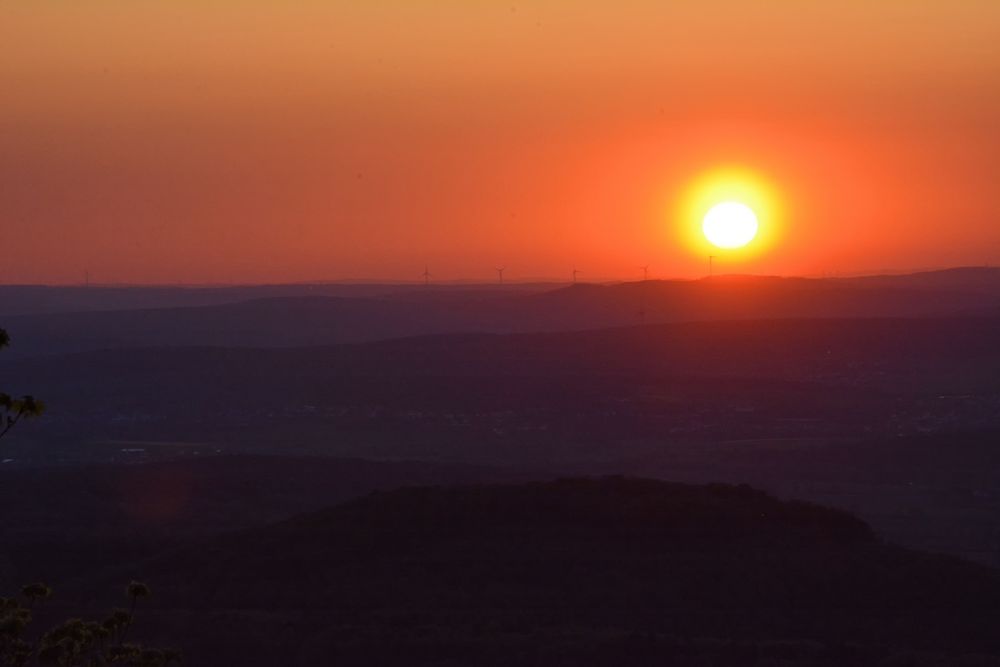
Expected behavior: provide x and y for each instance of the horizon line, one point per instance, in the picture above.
(508, 282)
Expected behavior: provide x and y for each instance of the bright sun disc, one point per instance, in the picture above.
(730, 225)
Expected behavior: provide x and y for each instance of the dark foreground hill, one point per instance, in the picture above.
(132, 511)
(578, 572)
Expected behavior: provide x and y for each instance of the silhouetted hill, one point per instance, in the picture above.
(135, 510)
(570, 573)
(315, 318)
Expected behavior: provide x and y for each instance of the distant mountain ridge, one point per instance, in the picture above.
(313, 318)
(38, 299)
(43, 299)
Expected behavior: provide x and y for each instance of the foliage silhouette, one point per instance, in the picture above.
(13, 410)
(134, 591)
(36, 591)
(75, 642)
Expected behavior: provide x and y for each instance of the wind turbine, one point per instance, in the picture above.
(642, 294)
(500, 271)
(575, 273)
(711, 268)
(426, 275)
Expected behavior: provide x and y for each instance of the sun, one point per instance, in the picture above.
(730, 225)
(732, 212)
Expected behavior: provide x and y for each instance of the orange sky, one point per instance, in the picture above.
(268, 140)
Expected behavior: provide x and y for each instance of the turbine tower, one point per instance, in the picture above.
(575, 274)
(426, 275)
(645, 272)
(711, 267)
(500, 271)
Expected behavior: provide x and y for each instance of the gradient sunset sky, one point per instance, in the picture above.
(163, 141)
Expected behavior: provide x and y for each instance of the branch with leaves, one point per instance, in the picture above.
(76, 643)
(13, 410)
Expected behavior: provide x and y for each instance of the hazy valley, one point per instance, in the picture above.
(167, 456)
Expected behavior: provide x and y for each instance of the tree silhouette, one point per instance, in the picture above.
(134, 590)
(75, 642)
(13, 410)
(34, 592)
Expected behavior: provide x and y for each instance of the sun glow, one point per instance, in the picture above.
(731, 210)
(730, 225)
